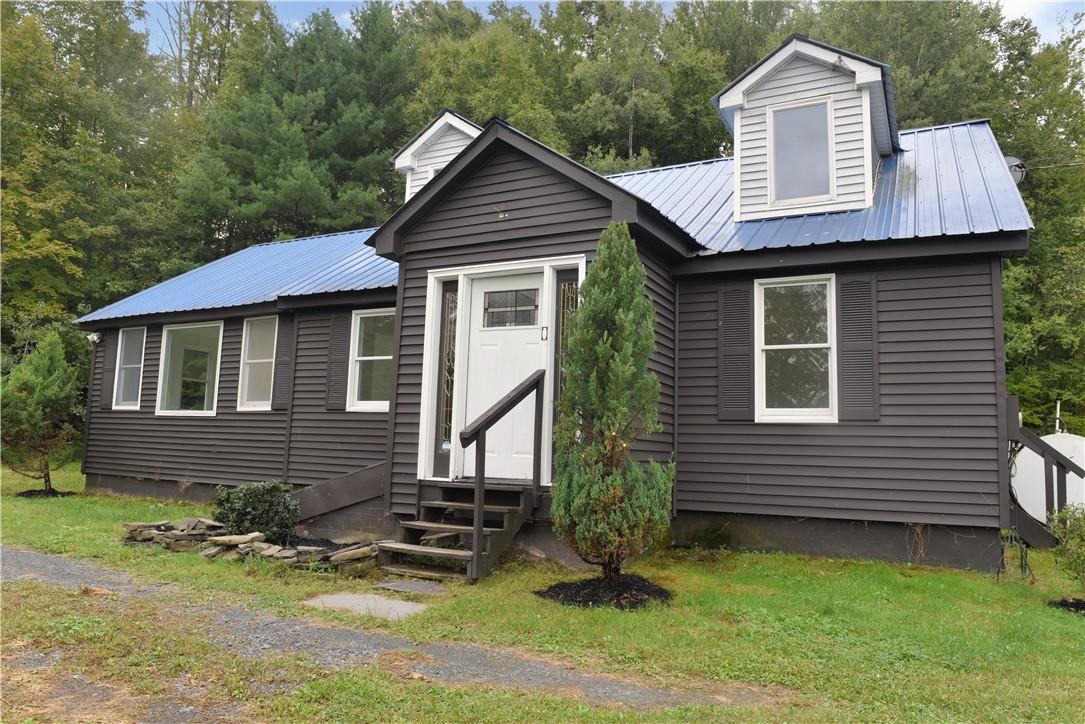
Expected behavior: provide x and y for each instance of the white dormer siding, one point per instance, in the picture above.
(433, 149)
(803, 84)
(811, 124)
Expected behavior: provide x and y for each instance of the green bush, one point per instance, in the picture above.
(267, 508)
(1068, 525)
(607, 506)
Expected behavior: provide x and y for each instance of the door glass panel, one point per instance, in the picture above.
(448, 368)
(512, 308)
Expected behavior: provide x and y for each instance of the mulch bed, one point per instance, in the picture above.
(627, 593)
(1077, 605)
(38, 493)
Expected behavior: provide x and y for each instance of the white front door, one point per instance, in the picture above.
(505, 344)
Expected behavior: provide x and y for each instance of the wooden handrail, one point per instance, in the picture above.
(1056, 465)
(502, 407)
(476, 433)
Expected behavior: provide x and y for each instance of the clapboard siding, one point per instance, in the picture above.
(325, 444)
(235, 447)
(436, 156)
(931, 457)
(231, 447)
(510, 208)
(660, 289)
(801, 79)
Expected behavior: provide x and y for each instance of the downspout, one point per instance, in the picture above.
(674, 405)
(289, 423)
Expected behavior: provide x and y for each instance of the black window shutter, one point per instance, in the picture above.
(857, 355)
(338, 343)
(735, 353)
(109, 368)
(282, 388)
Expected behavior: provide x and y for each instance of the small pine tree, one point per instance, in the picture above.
(39, 398)
(607, 506)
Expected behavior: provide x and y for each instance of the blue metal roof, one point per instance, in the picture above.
(945, 180)
(263, 273)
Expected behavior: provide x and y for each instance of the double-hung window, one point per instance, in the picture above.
(801, 153)
(795, 359)
(257, 363)
(369, 379)
(189, 369)
(126, 386)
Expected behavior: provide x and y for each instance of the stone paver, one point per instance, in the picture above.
(258, 633)
(367, 604)
(423, 587)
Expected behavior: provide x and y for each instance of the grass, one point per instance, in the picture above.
(851, 640)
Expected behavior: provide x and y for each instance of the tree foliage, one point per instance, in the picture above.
(608, 506)
(122, 166)
(39, 397)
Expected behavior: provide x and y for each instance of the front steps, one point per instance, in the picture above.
(438, 543)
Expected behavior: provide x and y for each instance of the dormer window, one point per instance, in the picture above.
(801, 153)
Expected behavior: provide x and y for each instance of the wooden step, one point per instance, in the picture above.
(426, 551)
(432, 573)
(444, 527)
(466, 484)
(451, 505)
(440, 538)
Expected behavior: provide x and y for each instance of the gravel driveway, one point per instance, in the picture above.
(255, 633)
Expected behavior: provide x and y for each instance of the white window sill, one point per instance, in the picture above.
(368, 407)
(126, 408)
(184, 413)
(791, 418)
(254, 408)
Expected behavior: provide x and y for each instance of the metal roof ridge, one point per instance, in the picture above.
(684, 164)
(936, 126)
(307, 238)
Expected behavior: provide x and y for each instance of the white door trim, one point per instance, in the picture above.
(463, 275)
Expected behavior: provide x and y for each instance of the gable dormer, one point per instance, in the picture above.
(432, 148)
(811, 124)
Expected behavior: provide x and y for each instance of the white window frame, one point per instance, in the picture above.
(117, 371)
(158, 411)
(353, 405)
(242, 404)
(770, 120)
(802, 415)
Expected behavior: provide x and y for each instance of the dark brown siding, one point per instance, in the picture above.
(542, 214)
(660, 289)
(931, 457)
(234, 447)
(325, 444)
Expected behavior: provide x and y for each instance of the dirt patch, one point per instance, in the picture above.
(1076, 605)
(38, 493)
(403, 661)
(627, 593)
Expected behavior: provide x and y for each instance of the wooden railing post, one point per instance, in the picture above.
(1049, 485)
(536, 458)
(480, 500)
(1060, 489)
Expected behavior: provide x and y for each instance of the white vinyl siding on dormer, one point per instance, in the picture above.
(434, 157)
(796, 81)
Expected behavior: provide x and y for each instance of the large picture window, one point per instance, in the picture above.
(369, 379)
(188, 372)
(795, 362)
(126, 388)
(801, 153)
(257, 363)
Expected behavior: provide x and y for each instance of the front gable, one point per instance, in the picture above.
(505, 185)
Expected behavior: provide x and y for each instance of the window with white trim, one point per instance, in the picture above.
(801, 153)
(189, 369)
(257, 363)
(126, 387)
(795, 359)
(369, 379)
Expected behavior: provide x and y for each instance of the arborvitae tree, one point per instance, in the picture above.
(606, 505)
(39, 403)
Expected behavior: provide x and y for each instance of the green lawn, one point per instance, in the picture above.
(849, 639)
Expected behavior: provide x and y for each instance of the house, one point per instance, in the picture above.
(828, 326)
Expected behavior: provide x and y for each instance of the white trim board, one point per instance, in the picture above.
(430, 349)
